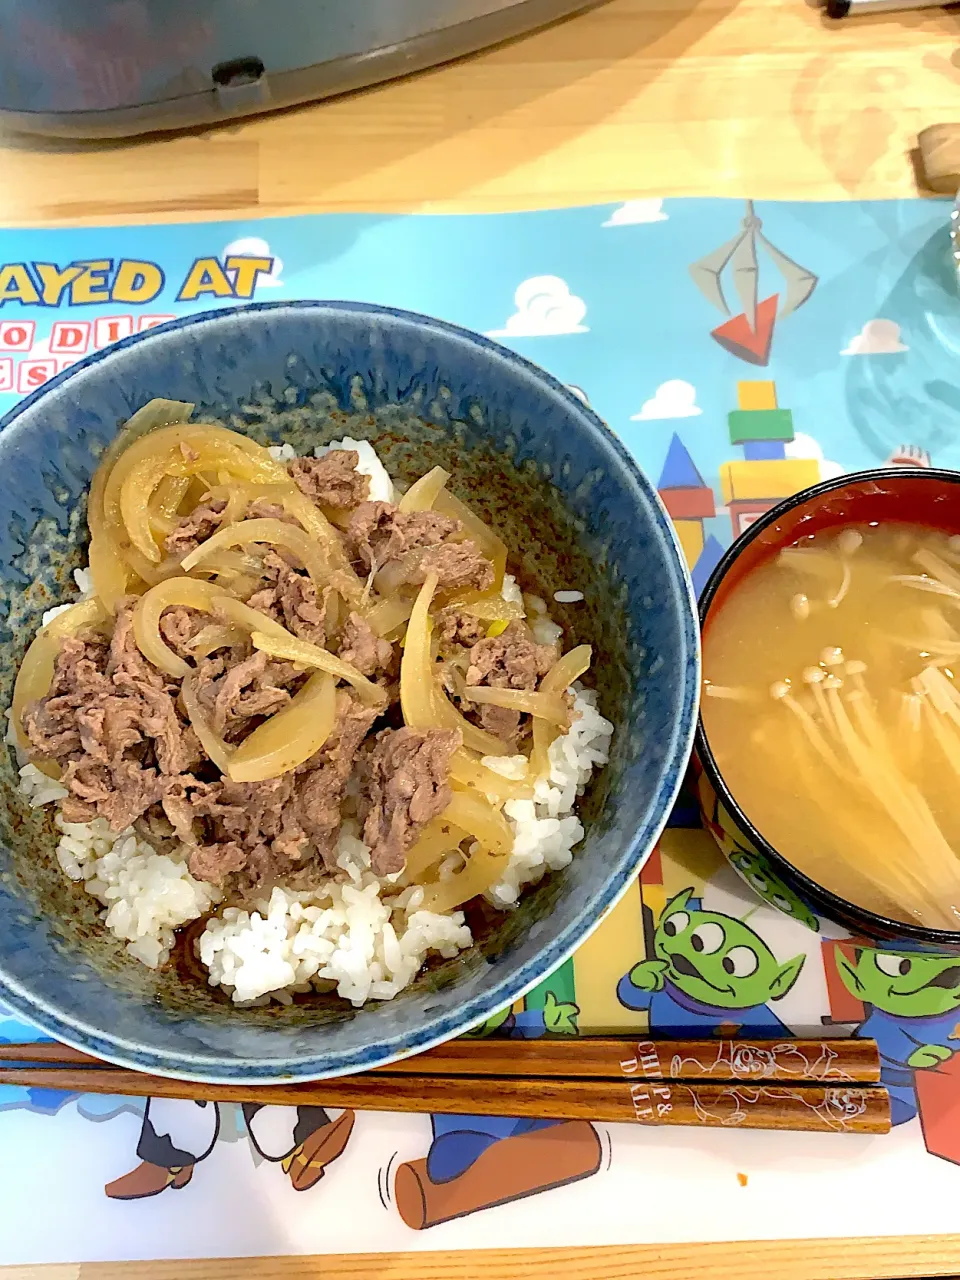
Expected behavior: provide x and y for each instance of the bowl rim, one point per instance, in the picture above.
(842, 910)
(207, 1067)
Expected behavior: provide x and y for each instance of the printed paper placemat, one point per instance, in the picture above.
(843, 352)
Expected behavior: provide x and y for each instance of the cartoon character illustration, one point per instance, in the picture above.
(176, 1136)
(711, 974)
(765, 882)
(912, 1002)
(754, 866)
(475, 1162)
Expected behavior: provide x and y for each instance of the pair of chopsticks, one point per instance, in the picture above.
(827, 1086)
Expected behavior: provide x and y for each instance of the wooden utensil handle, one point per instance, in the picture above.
(814, 1108)
(827, 1061)
(599, 1057)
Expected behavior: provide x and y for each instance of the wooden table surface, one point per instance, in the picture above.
(637, 98)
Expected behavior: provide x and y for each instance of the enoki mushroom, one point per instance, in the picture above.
(840, 721)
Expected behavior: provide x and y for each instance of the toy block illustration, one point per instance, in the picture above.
(752, 485)
(688, 498)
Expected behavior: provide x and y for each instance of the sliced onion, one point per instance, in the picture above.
(142, 479)
(319, 527)
(423, 493)
(480, 819)
(271, 532)
(567, 669)
(549, 707)
(183, 592)
(36, 669)
(424, 704)
(168, 495)
(469, 772)
(477, 739)
(436, 839)
(215, 636)
(557, 680)
(290, 649)
(387, 615)
(399, 573)
(492, 608)
(416, 674)
(290, 736)
(153, 415)
(482, 871)
(109, 571)
(140, 468)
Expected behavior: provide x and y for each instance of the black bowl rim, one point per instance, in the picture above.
(840, 909)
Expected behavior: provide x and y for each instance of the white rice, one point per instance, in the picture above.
(35, 785)
(358, 934)
(544, 629)
(546, 828)
(342, 933)
(146, 895)
(84, 581)
(568, 597)
(511, 590)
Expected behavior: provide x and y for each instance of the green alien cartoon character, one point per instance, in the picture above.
(556, 1018)
(711, 975)
(912, 1001)
(765, 882)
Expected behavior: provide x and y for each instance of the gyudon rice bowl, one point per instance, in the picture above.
(301, 711)
(309, 772)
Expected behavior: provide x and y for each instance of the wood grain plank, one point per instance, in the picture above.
(171, 179)
(911, 1256)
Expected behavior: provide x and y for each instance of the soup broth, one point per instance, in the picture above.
(832, 707)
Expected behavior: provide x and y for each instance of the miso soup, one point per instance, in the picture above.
(832, 707)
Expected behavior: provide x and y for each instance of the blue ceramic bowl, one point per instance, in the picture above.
(563, 491)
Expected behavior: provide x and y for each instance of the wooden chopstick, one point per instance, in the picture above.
(616, 1057)
(598, 1058)
(809, 1108)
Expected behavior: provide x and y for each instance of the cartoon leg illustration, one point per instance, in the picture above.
(710, 975)
(476, 1162)
(912, 1004)
(303, 1140)
(175, 1136)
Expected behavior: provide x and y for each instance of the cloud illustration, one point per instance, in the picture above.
(673, 399)
(545, 307)
(804, 446)
(876, 338)
(254, 247)
(635, 212)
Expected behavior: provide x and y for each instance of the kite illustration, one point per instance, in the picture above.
(749, 335)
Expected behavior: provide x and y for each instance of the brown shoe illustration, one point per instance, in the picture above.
(306, 1163)
(148, 1180)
